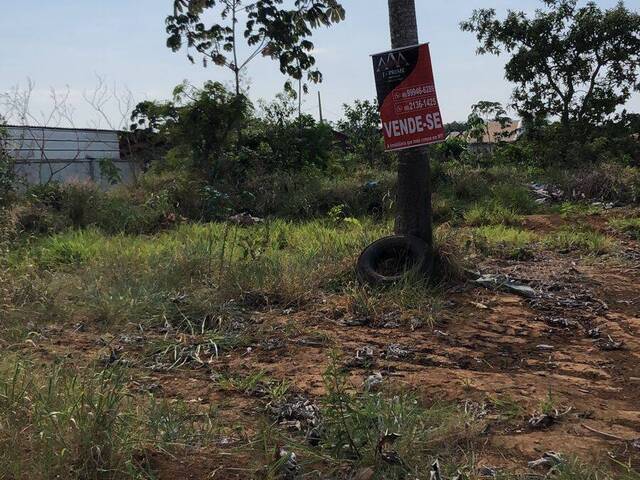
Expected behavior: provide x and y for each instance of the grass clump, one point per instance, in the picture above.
(587, 242)
(628, 226)
(76, 427)
(570, 210)
(58, 422)
(491, 213)
(506, 242)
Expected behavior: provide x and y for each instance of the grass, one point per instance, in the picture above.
(76, 427)
(490, 214)
(391, 432)
(503, 241)
(184, 275)
(198, 291)
(86, 424)
(571, 210)
(587, 242)
(628, 226)
(506, 406)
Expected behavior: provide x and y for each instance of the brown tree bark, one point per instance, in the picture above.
(413, 211)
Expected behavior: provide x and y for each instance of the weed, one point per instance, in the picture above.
(396, 435)
(572, 210)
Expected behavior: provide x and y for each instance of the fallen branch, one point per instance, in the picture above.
(605, 434)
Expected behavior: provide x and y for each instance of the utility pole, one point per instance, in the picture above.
(414, 214)
(320, 106)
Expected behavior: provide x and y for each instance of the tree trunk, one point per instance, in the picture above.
(413, 215)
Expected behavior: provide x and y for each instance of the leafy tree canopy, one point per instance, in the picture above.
(271, 28)
(361, 124)
(576, 63)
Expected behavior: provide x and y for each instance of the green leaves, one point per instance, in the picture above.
(273, 30)
(575, 63)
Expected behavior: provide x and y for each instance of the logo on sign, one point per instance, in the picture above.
(392, 61)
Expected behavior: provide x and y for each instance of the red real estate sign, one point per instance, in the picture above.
(407, 98)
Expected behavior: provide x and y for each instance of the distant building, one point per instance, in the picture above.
(494, 133)
(44, 154)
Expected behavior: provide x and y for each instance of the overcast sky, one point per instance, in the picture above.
(60, 43)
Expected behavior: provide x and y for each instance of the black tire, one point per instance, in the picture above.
(412, 251)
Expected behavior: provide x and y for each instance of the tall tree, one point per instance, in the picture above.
(578, 64)
(414, 212)
(211, 28)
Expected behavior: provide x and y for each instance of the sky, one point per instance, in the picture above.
(67, 44)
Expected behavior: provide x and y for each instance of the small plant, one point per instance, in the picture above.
(109, 171)
(506, 406)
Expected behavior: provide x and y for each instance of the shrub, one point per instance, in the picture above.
(608, 182)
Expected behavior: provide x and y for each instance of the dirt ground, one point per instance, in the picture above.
(577, 340)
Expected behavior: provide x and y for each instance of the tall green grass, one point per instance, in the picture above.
(58, 422)
(190, 272)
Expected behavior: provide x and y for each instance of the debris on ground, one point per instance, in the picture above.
(373, 382)
(415, 324)
(289, 468)
(396, 352)
(487, 472)
(610, 345)
(545, 193)
(543, 421)
(245, 219)
(271, 344)
(364, 358)
(594, 333)
(435, 471)
(504, 283)
(296, 413)
(548, 459)
(177, 355)
(356, 322)
(560, 322)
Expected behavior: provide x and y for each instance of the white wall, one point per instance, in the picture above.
(63, 154)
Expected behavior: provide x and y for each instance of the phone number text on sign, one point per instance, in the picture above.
(413, 105)
(421, 91)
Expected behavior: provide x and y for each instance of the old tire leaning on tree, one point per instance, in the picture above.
(392, 259)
